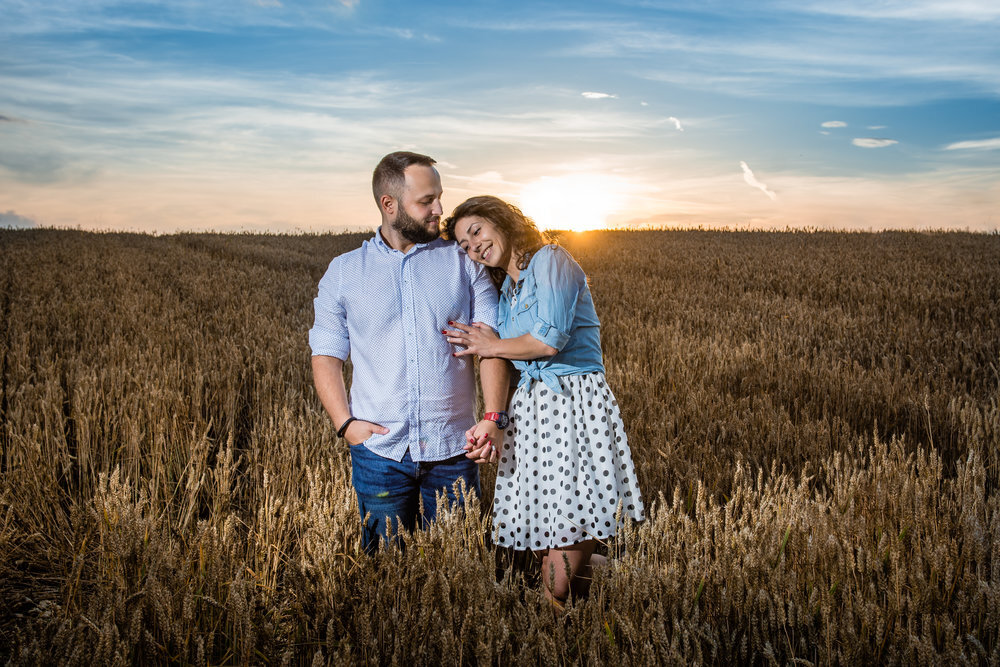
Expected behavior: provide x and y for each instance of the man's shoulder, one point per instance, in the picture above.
(440, 245)
(356, 254)
(441, 248)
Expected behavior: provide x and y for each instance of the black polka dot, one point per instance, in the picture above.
(574, 441)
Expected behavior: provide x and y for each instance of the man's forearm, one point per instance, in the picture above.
(495, 380)
(328, 376)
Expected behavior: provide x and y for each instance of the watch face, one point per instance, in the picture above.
(502, 421)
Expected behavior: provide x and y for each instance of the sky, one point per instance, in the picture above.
(259, 115)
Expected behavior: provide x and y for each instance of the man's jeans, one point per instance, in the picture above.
(392, 489)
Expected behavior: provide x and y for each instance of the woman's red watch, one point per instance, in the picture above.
(501, 419)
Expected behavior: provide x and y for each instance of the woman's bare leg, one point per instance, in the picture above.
(581, 583)
(557, 581)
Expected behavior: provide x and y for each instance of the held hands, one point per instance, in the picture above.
(483, 442)
(477, 339)
(359, 430)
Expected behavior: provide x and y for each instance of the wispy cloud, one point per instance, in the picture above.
(795, 54)
(753, 182)
(222, 16)
(911, 201)
(873, 142)
(106, 98)
(980, 144)
(488, 177)
(913, 10)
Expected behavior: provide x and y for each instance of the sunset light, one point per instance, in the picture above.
(597, 332)
(266, 115)
(575, 202)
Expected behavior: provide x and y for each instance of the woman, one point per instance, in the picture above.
(565, 466)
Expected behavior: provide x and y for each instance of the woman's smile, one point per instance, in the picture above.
(482, 240)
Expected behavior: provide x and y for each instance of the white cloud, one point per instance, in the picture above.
(677, 123)
(965, 198)
(834, 123)
(489, 177)
(982, 144)
(913, 10)
(645, 104)
(599, 96)
(753, 182)
(876, 127)
(873, 142)
(820, 61)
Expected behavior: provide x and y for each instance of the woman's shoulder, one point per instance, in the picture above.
(554, 257)
(552, 253)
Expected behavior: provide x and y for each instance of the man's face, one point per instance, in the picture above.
(418, 215)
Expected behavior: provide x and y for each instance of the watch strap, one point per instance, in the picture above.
(501, 418)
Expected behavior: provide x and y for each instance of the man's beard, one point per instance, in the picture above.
(413, 231)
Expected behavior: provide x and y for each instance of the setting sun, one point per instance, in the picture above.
(577, 202)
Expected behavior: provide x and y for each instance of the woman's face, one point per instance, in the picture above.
(483, 242)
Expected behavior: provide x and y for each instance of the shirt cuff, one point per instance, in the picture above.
(325, 345)
(549, 335)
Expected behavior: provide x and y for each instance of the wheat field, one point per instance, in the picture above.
(814, 417)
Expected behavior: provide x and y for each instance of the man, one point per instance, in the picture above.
(411, 417)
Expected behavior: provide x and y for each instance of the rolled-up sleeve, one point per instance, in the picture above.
(483, 295)
(558, 283)
(328, 336)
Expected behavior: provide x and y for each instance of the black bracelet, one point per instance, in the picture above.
(343, 427)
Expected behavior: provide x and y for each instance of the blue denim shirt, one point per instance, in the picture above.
(552, 302)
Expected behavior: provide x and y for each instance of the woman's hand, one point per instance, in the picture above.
(483, 442)
(476, 339)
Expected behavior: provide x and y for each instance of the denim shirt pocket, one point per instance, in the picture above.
(525, 313)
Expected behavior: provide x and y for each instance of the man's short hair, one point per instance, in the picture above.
(388, 177)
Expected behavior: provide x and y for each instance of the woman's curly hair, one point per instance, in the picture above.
(518, 230)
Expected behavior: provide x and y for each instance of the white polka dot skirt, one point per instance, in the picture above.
(564, 468)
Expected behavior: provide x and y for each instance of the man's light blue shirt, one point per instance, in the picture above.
(552, 302)
(386, 311)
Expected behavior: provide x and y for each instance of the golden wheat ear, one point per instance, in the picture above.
(813, 417)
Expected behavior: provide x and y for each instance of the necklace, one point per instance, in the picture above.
(515, 289)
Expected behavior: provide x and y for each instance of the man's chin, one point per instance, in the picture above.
(416, 237)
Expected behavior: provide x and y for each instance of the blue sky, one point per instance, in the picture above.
(268, 114)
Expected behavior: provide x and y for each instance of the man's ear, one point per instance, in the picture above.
(388, 205)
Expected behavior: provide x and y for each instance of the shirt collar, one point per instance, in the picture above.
(385, 247)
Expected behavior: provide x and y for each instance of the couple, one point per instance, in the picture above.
(413, 311)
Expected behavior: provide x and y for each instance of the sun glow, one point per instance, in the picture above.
(577, 202)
